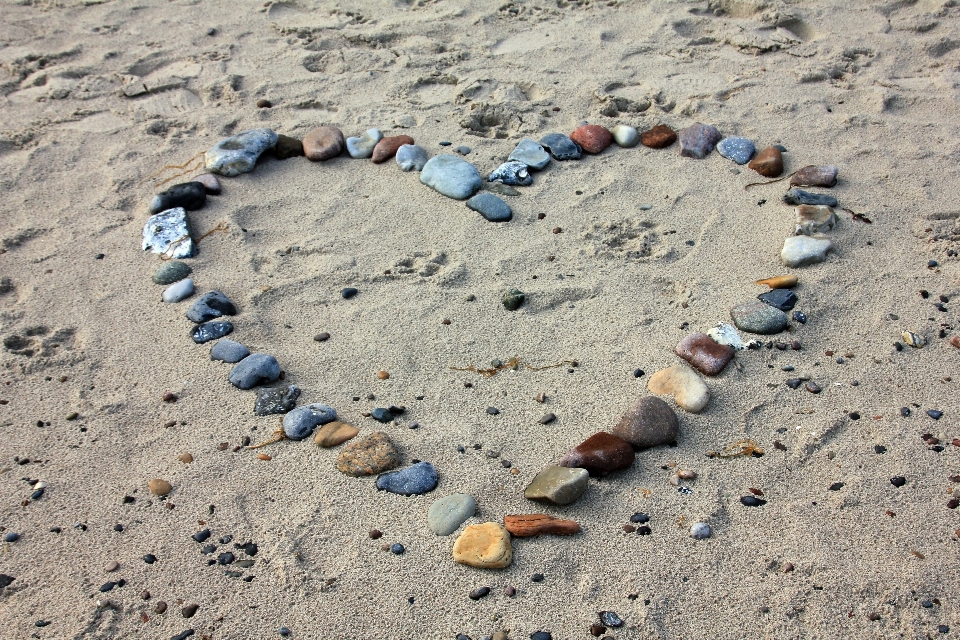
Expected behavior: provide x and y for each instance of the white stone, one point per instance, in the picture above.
(802, 250)
(625, 135)
(178, 291)
(727, 334)
(360, 147)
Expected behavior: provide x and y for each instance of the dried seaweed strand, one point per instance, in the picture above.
(277, 436)
(186, 165)
(223, 226)
(753, 184)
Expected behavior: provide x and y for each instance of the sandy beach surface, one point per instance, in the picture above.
(620, 254)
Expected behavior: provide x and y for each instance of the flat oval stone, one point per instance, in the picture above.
(698, 140)
(560, 146)
(802, 250)
(323, 143)
(813, 219)
(209, 306)
(415, 480)
(387, 147)
(768, 163)
(172, 271)
(600, 454)
(648, 423)
(512, 173)
(559, 485)
(178, 291)
(738, 149)
(276, 400)
(625, 136)
(451, 176)
(168, 234)
(814, 176)
(189, 195)
(536, 524)
(491, 207)
(484, 546)
(209, 182)
(239, 153)
(448, 513)
(370, 456)
(362, 146)
(300, 423)
(530, 153)
(208, 331)
(410, 157)
(592, 138)
(158, 487)
(782, 299)
(757, 317)
(254, 370)
(799, 196)
(335, 433)
(659, 137)
(287, 147)
(688, 390)
(228, 351)
(704, 353)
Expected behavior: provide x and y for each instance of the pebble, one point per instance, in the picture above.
(254, 370)
(600, 454)
(491, 207)
(323, 143)
(610, 619)
(704, 353)
(189, 611)
(803, 250)
(812, 387)
(159, 487)
(300, 423)
(547, 418)
(536, 524)
(700, 531)
(323, 336)
(813, 176)
(541, 635)
(284, 631)
(688, 390)
(738, 149)
(210, 306)
(560, 146)
(201, 536)
(757, 317)
(530, 153)
(372, 455)
(478, 593)
(111, 566)
(782, 299)
(167, 233)
(387, 148)
(149, 558)
(659, 137)
(239, 153)
(410, 157)
(592, 138)
(5, 580)
(511, 173)
(648, 423)
(779, 282)
(448, 513)
(625, 136)
(335, 433)
(210, 331)
(451, 176)
(276, 400)
(812, 219)
(898, 481)
(484, 546)
(799, 196)
(415, 480)
(11, 536)
(228, 351)
(936, 414)
(559, 485)
(752, 501)
(178, 291)
(800, 316)
(768, 163)
(209, 182)
(287, 147)
(698, 140)
(349, 292)
(912, 339)
(514, 299)
(183, 635)
(362, 146)
(188, 195)
(172, 271)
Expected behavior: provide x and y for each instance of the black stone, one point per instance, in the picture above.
(794, 383)
(118, 527)
(879, 448)
(610, 619)
(276, 400)
(5, 580)
(854, 415)
(248, 548)
(639, 518)
(898, 481)
(210, 331)
(201, 536)
(905, 412)
(226, 558)
(183, 635)
(783, 299)
(638, 373)
(208, 549)
(149, 558)
(537, 577)
(381, 414)
(644, 530)
(493, 411)
(189, 195)
(480, 592)
(107, 586)
(560, 147)
(752, 501)
(836, 486)
(541, 635)
(349, 292)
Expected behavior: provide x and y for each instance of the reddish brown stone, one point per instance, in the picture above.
(323, 143)
(526, 526)
(592, 137)
(600, 454)
(813, 176)
(707, 355)
(387, 147)
(768, 163)
(659, 137)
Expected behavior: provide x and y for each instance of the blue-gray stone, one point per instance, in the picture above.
(782, 299)
(381, 415)
(209, 306)
(738, 149)
(300, 423)
(172, 271)
(462, 150)
(362, 146)
(276, 400)
(452, 176)
(490, 207)
(448, 513)
(238, 154)
(799, 196)
(410, 157)
(700, 530)
(531, 153)
(168, 234)
(254, 370)
(210, 331)
(178, 291)
(412, 481)
(189, 195)
(228, 351)
(757, 317)
(697, 140)
(512, 173)
(560, 146)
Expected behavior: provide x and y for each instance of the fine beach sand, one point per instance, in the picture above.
(99, 95)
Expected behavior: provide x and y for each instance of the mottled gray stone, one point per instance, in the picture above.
(300, 423)
(228, 351)
(738, 149)
(276, 400)
(757, 317)
(168, 234)
(490, 207)
(239, 153)
(451, 176)
(448, 513)
(411, 157)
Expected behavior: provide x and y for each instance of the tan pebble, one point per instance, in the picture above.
(675, 480)
(687, 474)
(112, 566)
(541, 397)
(779, 282)
(485, 546)
(186, 458)
(955, 341)
(514, 471)
(334, 433)
(160, 487)
(688, 390)
(264, 456)
(383, 375)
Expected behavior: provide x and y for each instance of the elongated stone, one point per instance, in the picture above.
(239, 153)
(415, 480)
(387, 148)
(490, 207)
(178, 291)
(799, 196)
(757, 317)
(168, 234)
(600, 454)
(189, 195)
(659, 137)
(779, 282)
(698, 140)
(814, 176)
(536, 524)
(448, 513)
(782, 299)
(704, 353)
(335, 433)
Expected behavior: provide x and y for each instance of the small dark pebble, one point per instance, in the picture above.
(263, 103)
(493, 411)
(644, 530)
(149, 558)
(541, 635)
(905, 412)
(189, 611)
(813, 387)
(836, 486)
(953, 503)
(480, 592)
(597, 630)
(41, 623)
(375, 534)
(898, 481)
(610, 619)
(537, 577)
(943, 628)
(932, 263)
(226, 558)
(628, 528)
(36, 495)
(397, 548)
(445, 143)
(118, 527)
(160, 607)
(800, 316)
(506, 464)
(752, 501)
(510, 592)
(11, 537)
(547, 419)
(349, 292)
(794, 383)
(873, 616)
(898, 346)
(201, 536)
(381, 415)
(927, 604)
(935, 414)
(107, 586)
(322, 337)
(639, 518)
(183, 635)
(854, 415)
(208, 549)
(638, 373)
(283, 631)
(128, 500)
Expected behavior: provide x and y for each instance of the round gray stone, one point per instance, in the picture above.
(451, 176)
(410, 157)
(757, 317)
(209, 306)
(560, 146)
(172, 271)
(254, 370)
(228, 351)
(490, 207)
(700, 530)
(625, 136)
(448, 513)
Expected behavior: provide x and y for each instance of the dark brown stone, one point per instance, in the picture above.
(707, 355)
(323, 143)
(768, 163)
(387, 147)
(600, 454)
(659, 137)
(648, 423)
(592, 137)
(287, 147)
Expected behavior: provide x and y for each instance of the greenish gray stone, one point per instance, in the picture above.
(448, 513)
(490, 207)
(513, 299)
(170, 272)
(757, 317)
(559, 485)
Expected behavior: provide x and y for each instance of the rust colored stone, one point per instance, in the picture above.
(814, 176)
(707, 355)
(955, 341)
(323, 143)
(592, 137)
(526, 526)
(659, 137)
(600, 454)
(387, 147)
(768, 163)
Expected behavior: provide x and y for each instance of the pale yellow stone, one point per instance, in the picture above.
(689, 391)
(485, 546)
(160, 487)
